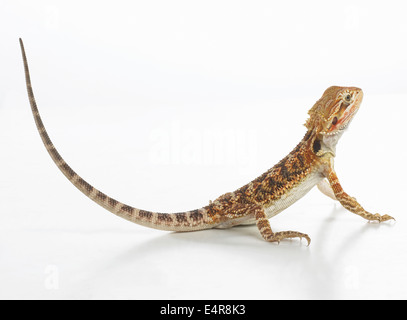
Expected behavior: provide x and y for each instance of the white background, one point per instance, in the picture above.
(166, 105)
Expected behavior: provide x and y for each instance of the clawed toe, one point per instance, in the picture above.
(381, 218)
(278, 236)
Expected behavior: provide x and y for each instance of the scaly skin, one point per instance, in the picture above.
(307, 165)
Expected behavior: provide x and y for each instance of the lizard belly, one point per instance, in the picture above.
(290, 197)
(293, 194)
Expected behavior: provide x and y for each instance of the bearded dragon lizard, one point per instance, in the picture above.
(310, 163)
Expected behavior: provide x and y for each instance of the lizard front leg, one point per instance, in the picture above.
(265, 230)
(349, 202)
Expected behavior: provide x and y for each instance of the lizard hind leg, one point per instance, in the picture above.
(263, 225)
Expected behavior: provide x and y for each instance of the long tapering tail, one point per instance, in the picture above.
(184, 221)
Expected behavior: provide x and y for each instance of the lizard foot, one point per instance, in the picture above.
(381, 218)
(278, 236)
(265, 230)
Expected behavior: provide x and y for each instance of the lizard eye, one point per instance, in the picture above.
(348, 97)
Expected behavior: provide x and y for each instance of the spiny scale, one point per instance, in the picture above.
(310, 162)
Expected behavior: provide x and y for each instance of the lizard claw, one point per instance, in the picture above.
(278, 236)
(381, 218)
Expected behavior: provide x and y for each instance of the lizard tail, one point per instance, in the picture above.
(183, 221)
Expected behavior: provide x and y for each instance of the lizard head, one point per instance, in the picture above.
(331, 115)
(333, 112)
